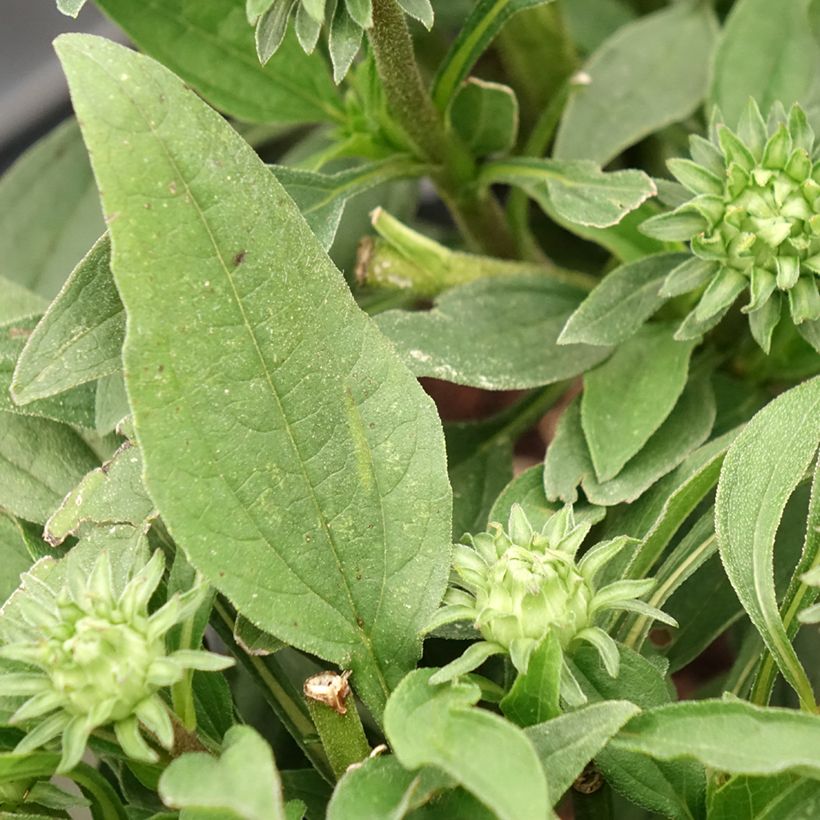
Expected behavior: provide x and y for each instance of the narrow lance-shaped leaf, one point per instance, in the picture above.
(275, 422)
(762, 468)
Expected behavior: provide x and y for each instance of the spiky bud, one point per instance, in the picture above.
(753, 222)
(94, 658)
(517, 585)
(345, 21)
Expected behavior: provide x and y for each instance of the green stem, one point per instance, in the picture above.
(477, 212)
(280, 694)
(342, 735)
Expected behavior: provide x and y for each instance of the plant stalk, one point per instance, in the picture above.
(477, 214)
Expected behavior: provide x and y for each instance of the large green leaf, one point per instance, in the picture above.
(40, 461)
(243, 784)
(762, 468)
(271, 413)
(567, 743)
(728, 735)
(784, 797)
(79, 338)
(439, 726)
(498, 334)
(578, 190)
(621, 303)
(480, 28)
(627, 398)
(211, 46)
(768, 62)
(51, 212)
(649, 74)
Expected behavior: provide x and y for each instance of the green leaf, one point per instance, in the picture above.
(421, 10)
(498, 334)
(480, 28)
(592, 21)
(40, 461)
(211, 47)
(762, 468)
(567, 743)
(728, 735)
(649, 74)
(485, 116)
(111, 494)
(672, 790)
(785, 797)
(352, 518)
(344, 41)
(438, 726)
(534, 695)
(70, 7)
(567, 463)
(578, 190)
(271, 28)
(621, 303)
(75, 407)
(382, 789)
(51, 212)
(322, 197)
(769, 63)
(111, 406)
(80, 337)
(14, 557)
(686, 428)
(243, 784)
(628, 397)
(18, 302)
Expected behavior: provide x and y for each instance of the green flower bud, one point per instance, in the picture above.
(753, 222)
(518, 585)
(94, 658)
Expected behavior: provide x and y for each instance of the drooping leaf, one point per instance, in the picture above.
(762, 468)
(211, 46)
(769, 63)
(628, 397)
(51, 212)
(578, 190)
(647, 75)
(498, 334)
(80, 336)
(728, 735)
(480, 28)
(621, 303)
(439, 726)
(309, 448)
(567, 743)
(243, 784)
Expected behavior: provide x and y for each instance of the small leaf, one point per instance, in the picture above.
(622, 302)
(578, 190)
(421, 10)
(344, 41)
(439, 726)
(485, 116)
(242, 784)
(80, 337)
(534, 696)
(628, 397)
(271, 28)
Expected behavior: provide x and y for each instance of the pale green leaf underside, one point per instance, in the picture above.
(288, 450)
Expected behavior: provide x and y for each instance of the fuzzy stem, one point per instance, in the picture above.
(478, 214)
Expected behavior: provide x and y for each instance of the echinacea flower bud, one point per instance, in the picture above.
(93, 658)
(753, 223)
(519, 585)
